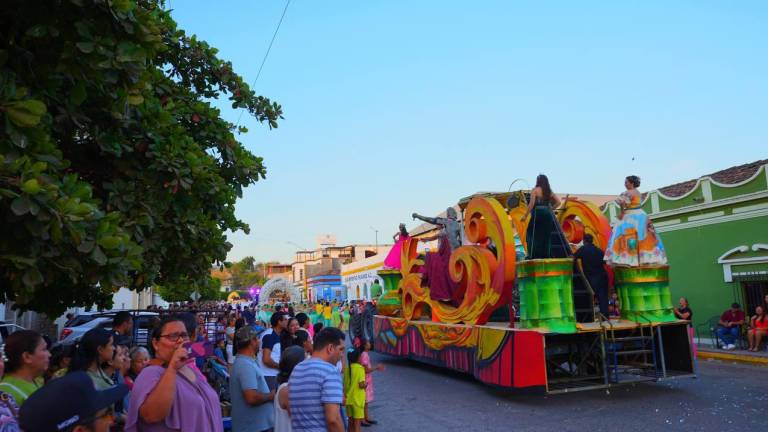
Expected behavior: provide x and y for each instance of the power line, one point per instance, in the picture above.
(269, 48)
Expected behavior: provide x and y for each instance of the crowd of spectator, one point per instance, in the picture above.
(734, 326)
(286, 374)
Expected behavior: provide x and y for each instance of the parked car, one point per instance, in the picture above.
(6, 329)
(75, 328)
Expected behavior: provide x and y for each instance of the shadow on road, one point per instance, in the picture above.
(624, 393)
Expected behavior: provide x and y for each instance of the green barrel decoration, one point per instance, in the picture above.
(644, 293)
(389, 303)
(546, 294)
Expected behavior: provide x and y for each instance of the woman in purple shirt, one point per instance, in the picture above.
(168, 395)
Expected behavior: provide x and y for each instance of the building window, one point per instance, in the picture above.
(754, 293)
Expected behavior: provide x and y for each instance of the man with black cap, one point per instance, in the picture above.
(53, 407)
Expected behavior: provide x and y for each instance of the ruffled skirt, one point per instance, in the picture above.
(634, 242)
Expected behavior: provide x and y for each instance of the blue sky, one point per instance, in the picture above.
(393, 107)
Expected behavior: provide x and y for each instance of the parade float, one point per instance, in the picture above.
(530, 325)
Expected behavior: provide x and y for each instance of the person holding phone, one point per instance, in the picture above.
(169, 395)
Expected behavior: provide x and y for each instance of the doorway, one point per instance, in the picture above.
(754, 292)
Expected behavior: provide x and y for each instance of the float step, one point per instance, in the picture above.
(633, 352)
(632, 338)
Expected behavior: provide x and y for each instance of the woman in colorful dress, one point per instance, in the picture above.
(544, 235)
(392, 261)
(634, 241)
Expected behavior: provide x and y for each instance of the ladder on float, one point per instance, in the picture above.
(583, 296)
(631, 356)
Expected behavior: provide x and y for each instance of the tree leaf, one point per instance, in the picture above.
(19, 139)
(25, 113)
(109, 242)
(78, 94)
(86, 246)
(98, 256)
(32, 277)
(86, 47)
(20, 206)
(31, 186)
(36, 31)
(135, 99)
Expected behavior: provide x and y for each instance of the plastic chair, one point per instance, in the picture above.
(710, 326)
(714, 322)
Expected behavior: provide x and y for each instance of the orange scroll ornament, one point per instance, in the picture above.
(437, 337)
(579, 217)
(485, 278)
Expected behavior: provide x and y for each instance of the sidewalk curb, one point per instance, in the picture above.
(738, 358)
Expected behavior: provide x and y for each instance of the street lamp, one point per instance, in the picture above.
(377, 238)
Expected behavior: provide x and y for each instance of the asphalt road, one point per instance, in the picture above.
(411, 396)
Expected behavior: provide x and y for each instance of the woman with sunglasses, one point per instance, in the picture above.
(169, 395)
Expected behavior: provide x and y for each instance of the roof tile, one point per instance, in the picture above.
(730, 175)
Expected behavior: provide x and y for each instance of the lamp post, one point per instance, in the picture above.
(377, 238)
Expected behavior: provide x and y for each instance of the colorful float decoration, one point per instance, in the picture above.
(517, 324)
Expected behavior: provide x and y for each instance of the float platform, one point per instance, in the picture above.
(599, 355)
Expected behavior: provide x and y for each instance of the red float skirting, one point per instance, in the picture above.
(514, 358)
(529, 361)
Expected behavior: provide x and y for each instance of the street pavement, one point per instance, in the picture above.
(411, 396)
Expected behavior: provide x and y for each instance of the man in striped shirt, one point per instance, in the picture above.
(315, 388)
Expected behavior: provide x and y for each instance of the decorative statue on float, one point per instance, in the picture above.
(435, 271)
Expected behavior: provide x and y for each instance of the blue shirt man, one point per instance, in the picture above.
(252, 400)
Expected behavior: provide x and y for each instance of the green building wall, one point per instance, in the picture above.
(694, 270)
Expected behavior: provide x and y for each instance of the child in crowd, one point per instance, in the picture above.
(614, 306)
(289, 359)
(218, 352)
(365, 361)
(354, 390)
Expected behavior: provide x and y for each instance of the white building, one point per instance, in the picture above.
(129, 299)
(358, 276)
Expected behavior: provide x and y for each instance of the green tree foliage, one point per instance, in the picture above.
(247, 273)
(183, 291)
(115, 169)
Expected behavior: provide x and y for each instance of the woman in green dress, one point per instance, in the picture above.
(544, 235)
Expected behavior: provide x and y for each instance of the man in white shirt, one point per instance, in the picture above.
(269, 355)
